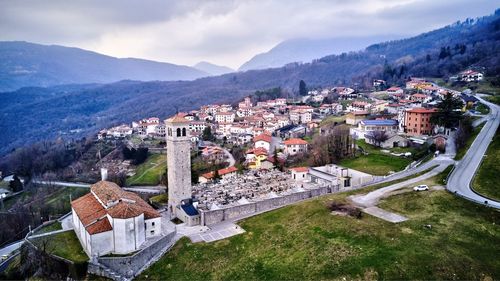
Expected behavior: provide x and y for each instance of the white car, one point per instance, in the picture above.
(421, 187)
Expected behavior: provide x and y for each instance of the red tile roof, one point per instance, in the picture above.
(222, 172)
(294, 142)
(300, 169)
(263, 137)
(116, 203)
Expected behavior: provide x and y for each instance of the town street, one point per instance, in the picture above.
(461, 177)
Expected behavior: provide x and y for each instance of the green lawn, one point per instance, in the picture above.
(65, 245)
(160, 199)
(482, 108)
(149, 172)
(331, 120)
(485, 181)
(461, 152)
(376, 162)
(58, 202)
(305, 242)
(51, 227)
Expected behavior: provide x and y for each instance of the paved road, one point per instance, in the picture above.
(371, 199)
(62, 183)
(460, 179)
(230, 158)
(11, 248)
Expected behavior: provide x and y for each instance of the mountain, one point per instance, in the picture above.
(33, 114)
(26, 64)
(305, 50)
(212, 69)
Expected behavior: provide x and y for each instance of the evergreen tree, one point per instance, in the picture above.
(302, 88)
(207, 134)
(449, 112)
(15, 184)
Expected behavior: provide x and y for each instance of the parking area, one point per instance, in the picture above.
(217, 232)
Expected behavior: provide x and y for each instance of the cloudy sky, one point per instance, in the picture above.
(222, 32)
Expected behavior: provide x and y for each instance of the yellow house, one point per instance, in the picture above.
(255, 157)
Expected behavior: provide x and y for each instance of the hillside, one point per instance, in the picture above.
(305, 50)
(212, 69)
(26, 64)
(32, 114)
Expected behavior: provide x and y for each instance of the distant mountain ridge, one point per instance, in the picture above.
(33, 114)
(304, 50)
(212, 69)
(27, 64)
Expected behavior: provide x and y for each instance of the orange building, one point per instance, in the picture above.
(418, 121)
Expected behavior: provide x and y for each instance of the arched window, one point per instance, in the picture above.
(178, 132)
(183, 132)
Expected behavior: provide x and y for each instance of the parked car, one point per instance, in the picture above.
(421, 187)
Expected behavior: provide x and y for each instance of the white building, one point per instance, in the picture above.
(263, 140)
(295, 146)
(109, 220)
(224, 117)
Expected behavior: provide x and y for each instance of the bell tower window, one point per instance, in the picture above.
(183, 132)
(178, 132)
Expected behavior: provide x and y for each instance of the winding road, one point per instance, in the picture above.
(460, 179)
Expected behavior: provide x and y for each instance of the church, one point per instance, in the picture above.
(109, 220)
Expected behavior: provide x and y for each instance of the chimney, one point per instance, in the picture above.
(104, 174)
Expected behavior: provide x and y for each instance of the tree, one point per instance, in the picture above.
(15, 184)
(463, 132)
(449, 112)
(302, 88)
(207, 134)
(379, 137)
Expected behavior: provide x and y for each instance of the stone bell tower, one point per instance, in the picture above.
(178, 161)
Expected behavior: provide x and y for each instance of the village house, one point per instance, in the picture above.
(359, 106)
(224, 174)
(471, 76)
(393, 140)
(389, 126)
(394, 90)
(224, 117)
(295, 146)
(109, 220)
(197, 126)
(353, 118)
(418, 121)
(147, 126)
(255, 157)
(334, 175)
(213, 154)
(263, 140)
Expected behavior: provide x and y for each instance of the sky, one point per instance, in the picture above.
(222, 32)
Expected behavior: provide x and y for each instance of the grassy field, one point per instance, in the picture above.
(305, 242)
(461, 152)
(486, 178)
(376, 162)
(332, 119)
(51, 227)
(59, 199)
(65, 245)
(149, 172)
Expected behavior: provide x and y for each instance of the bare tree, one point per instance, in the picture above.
(379, 137)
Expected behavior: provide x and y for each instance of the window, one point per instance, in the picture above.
(183, 132)
(152, 223)
(152, 232)
(178, 132)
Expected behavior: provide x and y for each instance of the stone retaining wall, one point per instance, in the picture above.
(129, 266)
(216, 216)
